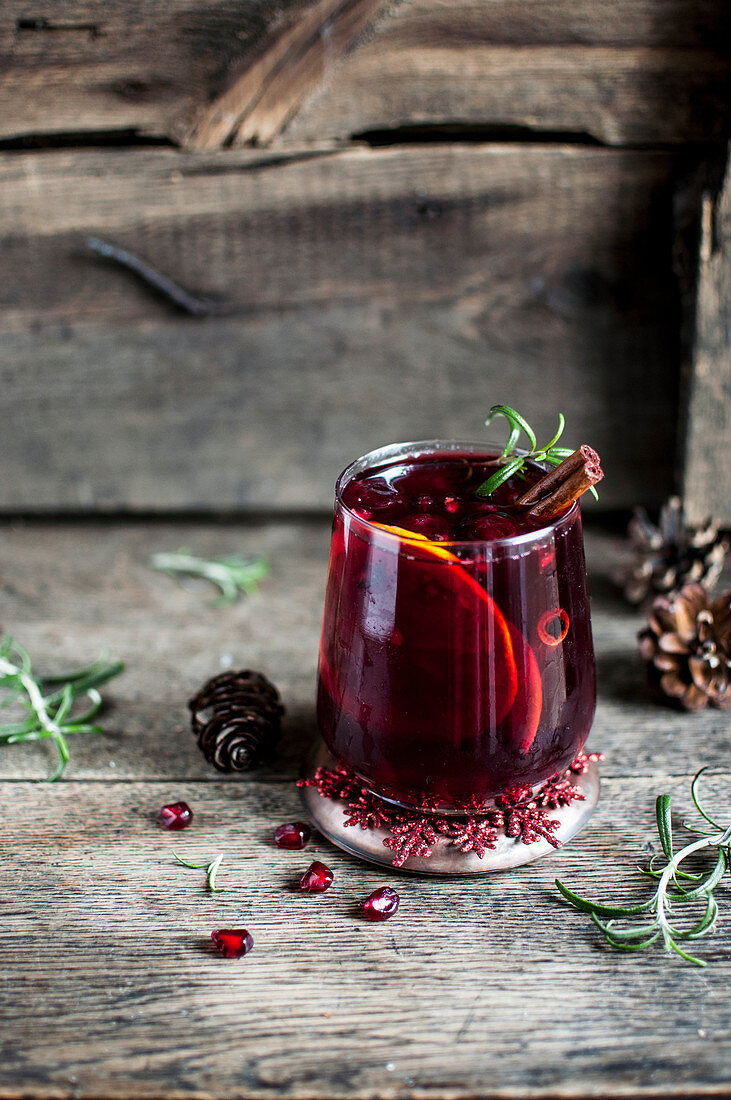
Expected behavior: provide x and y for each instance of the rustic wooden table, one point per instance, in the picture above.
(487, 987)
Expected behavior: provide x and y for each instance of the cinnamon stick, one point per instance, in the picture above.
(564, 484)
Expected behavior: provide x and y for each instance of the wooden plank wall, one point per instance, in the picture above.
(707, 472)
(411, 211)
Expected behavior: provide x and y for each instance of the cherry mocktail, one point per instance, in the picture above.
(456, 659)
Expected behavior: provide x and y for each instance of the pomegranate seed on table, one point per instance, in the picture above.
(316, 878)
(381, 904)
(178, 815)
(292, 836)
(232, 943)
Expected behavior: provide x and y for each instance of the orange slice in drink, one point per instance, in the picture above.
(456, 581)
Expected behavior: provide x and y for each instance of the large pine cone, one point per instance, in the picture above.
(671, 554)
(236, 718)
(687, 647)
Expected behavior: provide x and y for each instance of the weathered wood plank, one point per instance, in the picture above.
(488, 987)
(707, 474)
(618, 97)
(636, 71)
(378, 295)
(69, 590)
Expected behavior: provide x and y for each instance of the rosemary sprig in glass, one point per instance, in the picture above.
(510, 463)
(656, 924)
(50, 700)
(231, 574)
(211, 869)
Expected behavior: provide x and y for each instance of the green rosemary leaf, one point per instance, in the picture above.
(212, 871)
(70, 677)
(619, 946)
(624, 935)
(684, 954)
(210, 867)
(596, 907)
(557, 436)
(623, 940)
(499, 477)
(706, 922)
(710, 913)
(231, 575)
(65, 703)
(192, 866)
(85, 685)
(96, 705)
(517, 424)
(664, 824)
(696, 801)
(51, 717)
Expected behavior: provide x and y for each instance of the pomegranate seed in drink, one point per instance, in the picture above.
(316, 879)
(424, 523)
(381, 904)
(232, 943)
(292, 836)
(178, 815)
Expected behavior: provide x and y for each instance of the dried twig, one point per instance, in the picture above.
(189, 303)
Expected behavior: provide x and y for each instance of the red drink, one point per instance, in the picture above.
(456, 657)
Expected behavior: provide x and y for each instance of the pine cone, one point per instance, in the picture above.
(687, 647)
(236, 718)
(671, 554)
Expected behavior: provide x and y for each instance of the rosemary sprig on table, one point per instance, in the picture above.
(50, 714)
(510, 463)
(231, 574)
(669, 893)
(211, 869)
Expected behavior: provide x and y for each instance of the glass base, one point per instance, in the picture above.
(327, 815)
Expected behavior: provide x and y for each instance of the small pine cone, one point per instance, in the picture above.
(236, 718)
(671, 554)
(687, 647)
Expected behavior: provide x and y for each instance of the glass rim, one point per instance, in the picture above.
(392, 451)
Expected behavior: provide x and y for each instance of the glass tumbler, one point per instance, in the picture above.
(452, 672)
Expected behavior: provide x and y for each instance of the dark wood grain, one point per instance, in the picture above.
(707, 452)
(69, 590)
(633, 71)
(375, 295)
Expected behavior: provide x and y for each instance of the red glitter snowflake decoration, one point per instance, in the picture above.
(470, 835)
(369, 812)
(518, 813)
(414, 836)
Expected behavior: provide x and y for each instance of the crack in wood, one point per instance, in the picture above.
(465, 133)
(41, 24)
(294, 64)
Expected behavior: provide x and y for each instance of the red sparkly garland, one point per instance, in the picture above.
(518, 813)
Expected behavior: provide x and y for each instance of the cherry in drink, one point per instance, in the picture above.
(456, 658)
